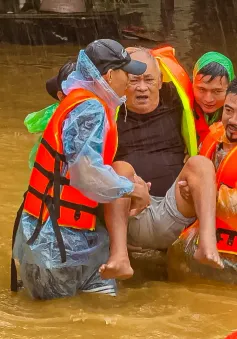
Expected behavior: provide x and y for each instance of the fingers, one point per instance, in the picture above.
(135, 211)
(183, 183)
(138, 180)
(132, 248)
(184, 189)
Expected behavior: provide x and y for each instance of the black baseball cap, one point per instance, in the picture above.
(54, 84)
(109, 54)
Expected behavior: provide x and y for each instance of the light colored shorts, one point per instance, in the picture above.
(159, 225)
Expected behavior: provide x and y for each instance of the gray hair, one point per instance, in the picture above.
(146, 51)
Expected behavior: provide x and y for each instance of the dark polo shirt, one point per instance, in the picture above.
(152, 143)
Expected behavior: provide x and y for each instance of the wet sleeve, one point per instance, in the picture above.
(83, 135)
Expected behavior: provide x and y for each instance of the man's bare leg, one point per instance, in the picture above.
(199, 173)
(116, 218)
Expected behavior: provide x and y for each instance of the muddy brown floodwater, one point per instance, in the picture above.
(151, 309)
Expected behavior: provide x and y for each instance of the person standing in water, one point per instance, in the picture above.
(58, 238)
(220, 146)
(211, 76)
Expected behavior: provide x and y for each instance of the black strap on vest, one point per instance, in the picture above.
(40, 219)
(14, 284)
(52, 151)
(53, 205)
(56, 192)
(56, 227)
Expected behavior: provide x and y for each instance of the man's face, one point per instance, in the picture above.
(229, 117)
(210, 96)
(143, 91)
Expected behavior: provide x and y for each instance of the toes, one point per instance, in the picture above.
(102, 268)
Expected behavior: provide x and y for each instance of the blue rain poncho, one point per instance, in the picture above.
(82, 137)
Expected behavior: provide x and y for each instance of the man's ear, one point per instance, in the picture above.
(60, 95)
(108, 76)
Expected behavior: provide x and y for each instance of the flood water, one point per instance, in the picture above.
(151, 309)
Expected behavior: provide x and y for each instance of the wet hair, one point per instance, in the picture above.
(64, 72)
(215, 70)
(232, 88)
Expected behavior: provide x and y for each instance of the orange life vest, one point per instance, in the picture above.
(201, 125)
(167, 55)
(73, 208)
(49, 193)
(172, 71)
(226, 222)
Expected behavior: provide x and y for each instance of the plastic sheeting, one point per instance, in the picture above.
(88, 77)
(183, 267)
(41, 269)
(83, 139)
(84, 133)
(36, 122)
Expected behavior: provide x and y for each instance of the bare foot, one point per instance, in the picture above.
(116, 269)
(208, 257)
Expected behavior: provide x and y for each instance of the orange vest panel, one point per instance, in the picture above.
(74, 210)
(226, 176)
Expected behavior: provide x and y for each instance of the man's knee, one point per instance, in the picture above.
(123, 168)
(198, 164)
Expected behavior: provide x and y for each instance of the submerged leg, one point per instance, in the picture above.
(116, 218)
(199, 173)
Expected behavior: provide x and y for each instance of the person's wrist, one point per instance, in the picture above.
(131, 193)
(136, 193)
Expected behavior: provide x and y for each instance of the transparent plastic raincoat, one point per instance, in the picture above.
(41, 268)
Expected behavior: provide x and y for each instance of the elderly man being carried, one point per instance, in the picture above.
(150, 139)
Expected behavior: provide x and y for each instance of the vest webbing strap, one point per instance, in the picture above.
(50, 175)
(14, 284)
(52, 151)
(64, 203)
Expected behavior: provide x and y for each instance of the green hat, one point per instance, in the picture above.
(219, 58)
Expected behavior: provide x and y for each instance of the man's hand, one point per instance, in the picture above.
(140, 197)
(132, 248)
(184, 190)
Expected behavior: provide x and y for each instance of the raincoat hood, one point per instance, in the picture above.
(219, 58)
(88, 77)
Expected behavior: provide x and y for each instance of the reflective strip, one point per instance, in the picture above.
(188, 123)
(110, 290)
